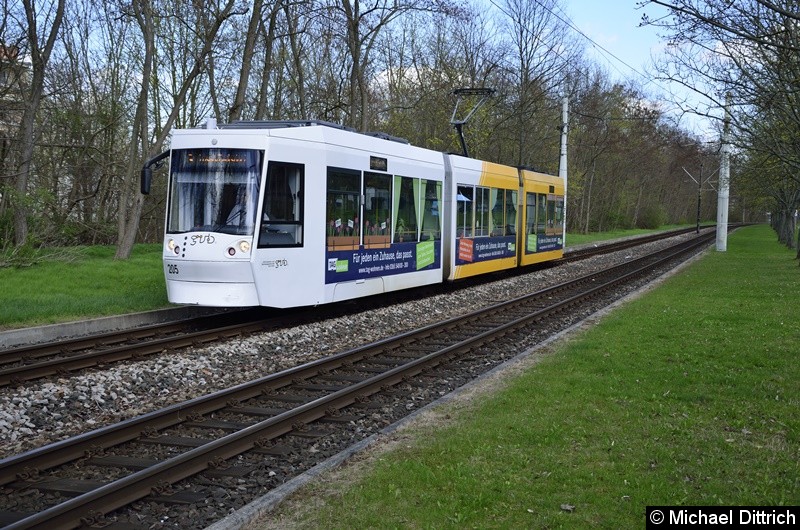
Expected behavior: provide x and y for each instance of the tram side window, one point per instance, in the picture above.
(431, 218)
(406, 202)
(482, 207)
(559, 213)
(496, 200)
(343, 228)
(530, 228)
(464, 211)
(504, 212)
(377, 216)
(510, 225)
(282, 215)
(541, 214)
(553, 215)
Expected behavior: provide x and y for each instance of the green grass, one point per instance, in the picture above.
(687, 396)
(580, 239)
(84, 282)
(81, 282)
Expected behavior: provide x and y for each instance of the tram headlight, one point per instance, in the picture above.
(242, 246)
(173, 246)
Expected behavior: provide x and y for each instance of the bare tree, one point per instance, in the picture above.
(130, 204)
(540, 51)
(209, 19)
(423, 58)
(251, 39)
(743, 56)
(127, 72)
(363, 22)
(49, 24)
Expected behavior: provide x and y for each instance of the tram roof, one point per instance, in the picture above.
(286, 124)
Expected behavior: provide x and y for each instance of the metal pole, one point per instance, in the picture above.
(699, 195)
(562, 163)
(724, 184)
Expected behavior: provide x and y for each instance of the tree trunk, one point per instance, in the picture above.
(247, 58)
(130, 204)
(297, 57)
(269, 39)
(27, 135)
(588, 215)
(353, 19)
(130, 207)
(798, 246)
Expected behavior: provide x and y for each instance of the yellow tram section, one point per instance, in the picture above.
(498, 177)
(551, 188)
(521, 183)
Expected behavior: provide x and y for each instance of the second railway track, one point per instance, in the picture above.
(177, 455)
(63, 357)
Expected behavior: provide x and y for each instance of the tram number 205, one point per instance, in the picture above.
(172, 268)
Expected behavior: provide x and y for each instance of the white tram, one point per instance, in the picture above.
(298, 213)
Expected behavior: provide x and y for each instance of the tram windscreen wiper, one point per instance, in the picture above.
(231, 229)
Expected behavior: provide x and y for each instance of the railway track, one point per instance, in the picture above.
(178, 455)
(27, 363)
(60, 358)
(590, 251)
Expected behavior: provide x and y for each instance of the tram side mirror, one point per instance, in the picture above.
(146, 178)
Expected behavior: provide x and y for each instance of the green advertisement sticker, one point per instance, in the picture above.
(425, 254)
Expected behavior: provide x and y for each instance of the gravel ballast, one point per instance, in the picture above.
(36, 413)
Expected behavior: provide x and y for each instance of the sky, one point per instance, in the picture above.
(623, 47)
(613, 26)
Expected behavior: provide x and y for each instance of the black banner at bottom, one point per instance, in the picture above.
(663, 517)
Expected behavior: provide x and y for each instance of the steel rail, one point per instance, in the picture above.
(72, 361)
(587, 252)
(19, 374)
(101, 339)
(138, 485)
(67, 450)
(66, 346)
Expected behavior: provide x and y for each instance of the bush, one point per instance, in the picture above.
(612, 221)
(652, 217)
(23, 256)
(92, 233)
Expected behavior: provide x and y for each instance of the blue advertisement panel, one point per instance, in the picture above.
(542, 243)
(473, 250)
(398, 258)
